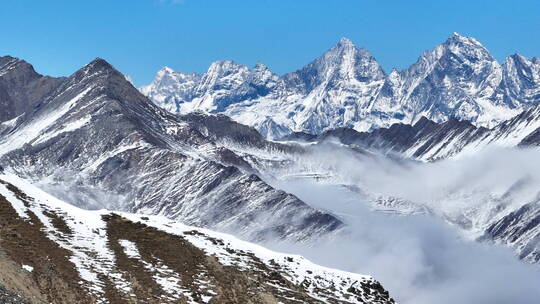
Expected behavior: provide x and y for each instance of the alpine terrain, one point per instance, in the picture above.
(454, 102)
(93, 140)
(346, 87)
(165, 194)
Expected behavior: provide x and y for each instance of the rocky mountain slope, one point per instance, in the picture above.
(21, 88)
(97, 142)
(53, 252)
(505, 213)
(519, 229)
(346, 87)
(457, 100)
(427, 140)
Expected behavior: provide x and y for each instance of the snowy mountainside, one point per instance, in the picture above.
(97, 141)
(521, 79)
(427, 140)
(223, 83)
(347, 88)
(519, 229)
(106, 257)
(170, 86)
(457, 79)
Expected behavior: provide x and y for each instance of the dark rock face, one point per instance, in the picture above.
(423, 138)
(21, 88)
(95, 135)
(7, 297)
(428, 140)
(521, 230)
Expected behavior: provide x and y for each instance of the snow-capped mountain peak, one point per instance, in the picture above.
(165, 70)
(346, 87)
(342, 65)
(169, 88)
(521, 82)
(457, 38)
(262, 70)
(468, 49)
(345, 42)
(222, 75)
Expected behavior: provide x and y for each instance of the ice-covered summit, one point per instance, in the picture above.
(347, 87)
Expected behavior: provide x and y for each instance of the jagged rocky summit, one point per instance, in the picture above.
(347, 88)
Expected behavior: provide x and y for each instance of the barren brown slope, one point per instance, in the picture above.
(196, 276)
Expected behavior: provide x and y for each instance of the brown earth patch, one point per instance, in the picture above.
(58, 222)
(232, 285)
(25, 243)
(54, 279)
(19, 281)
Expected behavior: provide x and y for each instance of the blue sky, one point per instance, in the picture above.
(141, 36)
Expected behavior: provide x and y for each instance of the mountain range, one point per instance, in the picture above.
(95, 141)
(347, 88)
(108, 147)
(161, 165)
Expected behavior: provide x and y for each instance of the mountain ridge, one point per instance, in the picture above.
(121, 150)
(346, 87)
(111, 257)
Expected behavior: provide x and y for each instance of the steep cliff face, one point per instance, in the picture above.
(21, 88)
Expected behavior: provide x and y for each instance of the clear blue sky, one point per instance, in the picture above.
(141, 36)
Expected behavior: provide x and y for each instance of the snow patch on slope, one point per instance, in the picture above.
(37, 126)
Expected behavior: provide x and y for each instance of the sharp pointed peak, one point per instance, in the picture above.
(343, 41)
(345, 45)
(100, 61)
(457, 38)
(167, 69)
(518, 56)
(394, 73)
(259, 66)
(99, 64)
(225, 65)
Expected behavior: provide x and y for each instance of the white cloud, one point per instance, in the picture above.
(421, 259)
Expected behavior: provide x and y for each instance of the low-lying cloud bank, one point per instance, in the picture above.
(422, 259)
